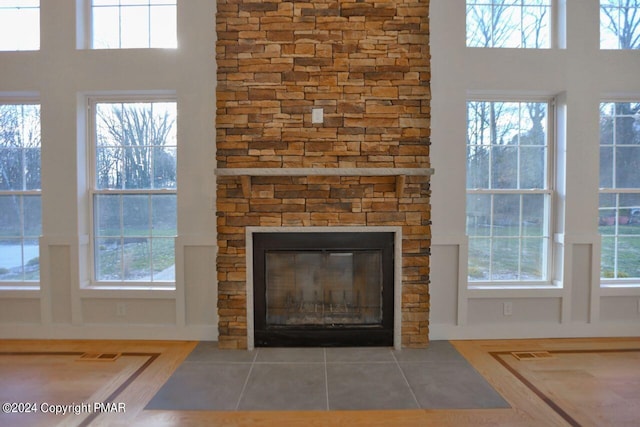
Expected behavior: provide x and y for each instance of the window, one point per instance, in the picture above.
(619, 219)
(134, 191)
(19, 25)
(509, 23)
(20, 212)
(122, 24)
(620, 24)
(508, 191)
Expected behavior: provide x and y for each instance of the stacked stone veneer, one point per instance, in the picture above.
(366, 64)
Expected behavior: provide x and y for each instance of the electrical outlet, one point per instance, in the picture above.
(317, 115)
(121, 309)
(507, 308)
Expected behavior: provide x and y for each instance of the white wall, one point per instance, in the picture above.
(578, 77)
(62, 76)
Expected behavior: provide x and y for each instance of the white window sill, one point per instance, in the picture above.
(152, 291)
(515, 290)
(16, 290)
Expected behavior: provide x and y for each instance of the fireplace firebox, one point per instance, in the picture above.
(323, 289)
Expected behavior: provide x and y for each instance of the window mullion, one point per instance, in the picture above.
(22, 234)
(20, 192)
(491, 238)
(121, 238)
(134, 191)
(616, 234)
(522, 39)
(151, 237)
(120, 26)
(509, 191)
(520, 235)
(614, 150)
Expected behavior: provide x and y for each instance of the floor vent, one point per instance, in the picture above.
(103, 357)
(531, 355)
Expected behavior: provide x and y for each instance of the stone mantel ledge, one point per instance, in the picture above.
(324, 171)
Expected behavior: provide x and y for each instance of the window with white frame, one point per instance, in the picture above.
(19, 25)
(134, 191)
(620, 24)
(619, 218)
(508, 191)
(126, 24)
(509, 23)
(20, 200)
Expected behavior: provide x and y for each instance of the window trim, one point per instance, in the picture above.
(87, 28)
(25, 284)
(555, 22)
(39, 26)
(600, 24)
(92, 101)
(633, 282)
(550, 192)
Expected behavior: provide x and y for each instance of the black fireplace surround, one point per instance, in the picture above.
(323, 289)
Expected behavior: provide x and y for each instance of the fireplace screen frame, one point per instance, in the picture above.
(323, 335)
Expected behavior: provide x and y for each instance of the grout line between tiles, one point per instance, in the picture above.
(326, 377)
(266, 362)
(415, 399)
(368, 362)
(246, 381)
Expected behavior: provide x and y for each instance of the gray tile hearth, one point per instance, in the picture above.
(202, 386)
(325, 379)
(368, 386)
(299, 386)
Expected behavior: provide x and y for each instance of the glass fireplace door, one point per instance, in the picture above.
(323, 288)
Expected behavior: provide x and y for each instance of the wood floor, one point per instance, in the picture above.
(588, 382)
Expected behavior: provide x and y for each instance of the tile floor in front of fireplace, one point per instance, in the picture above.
(325, 379)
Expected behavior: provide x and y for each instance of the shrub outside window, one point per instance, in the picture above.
(619, 218)
(127, 24)
(20, 189)
(509, 23)
(19, 25)
(134, 193)
(508, 192)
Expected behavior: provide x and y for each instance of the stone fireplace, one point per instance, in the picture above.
(361, 165)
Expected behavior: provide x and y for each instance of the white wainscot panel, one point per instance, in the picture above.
(132, 311)
(523, 310)
(20, 310)
(200, 285)
(620, 308)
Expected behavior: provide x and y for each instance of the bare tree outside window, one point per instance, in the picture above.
(508, 196)
(136, 145)
(509, 23)
(20, 200)
(620, 24)
(134, 200)
(117, 24)
(619, 216)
